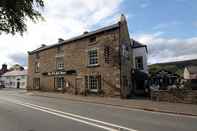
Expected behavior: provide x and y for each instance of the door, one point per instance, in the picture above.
(36, 83)
(18, 84)
(79, 88)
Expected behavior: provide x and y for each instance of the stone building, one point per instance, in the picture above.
(97, 62)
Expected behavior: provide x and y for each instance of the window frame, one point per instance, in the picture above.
(138, 63)
(93, 58)
(37, 67)
(59, 65)
(60, 49)
(59, 84)
(92, 39)
(36, 83)
(95, 83)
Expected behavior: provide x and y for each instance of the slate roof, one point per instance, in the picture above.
(107, 28)
(15, 73)
(137, 44)
(192, 69)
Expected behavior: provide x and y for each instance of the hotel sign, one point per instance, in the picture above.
(56, 73)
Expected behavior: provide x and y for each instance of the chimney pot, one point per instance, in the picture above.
(60, 40)
(85, 32)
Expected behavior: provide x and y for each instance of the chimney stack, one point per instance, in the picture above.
(43, 45)
(85, 32)
(60, 40)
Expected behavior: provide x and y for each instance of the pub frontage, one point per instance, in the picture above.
(97, 62)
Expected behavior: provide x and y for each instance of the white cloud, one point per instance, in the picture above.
(163, 49)
(145, 3)
(62, 19)
(166, 25)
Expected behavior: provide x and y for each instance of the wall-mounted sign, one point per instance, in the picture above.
(55, 73)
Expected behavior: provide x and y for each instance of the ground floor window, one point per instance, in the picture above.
(93, 83)
(36, 83)
(59, 82)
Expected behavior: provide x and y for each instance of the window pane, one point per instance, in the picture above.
(93, 57)
(60, 82)
(60, 63)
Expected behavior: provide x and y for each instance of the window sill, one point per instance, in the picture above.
(94, 90)
(62, 69)
(93, 65)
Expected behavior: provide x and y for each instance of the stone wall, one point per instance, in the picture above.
(75, 58)
(175, 96)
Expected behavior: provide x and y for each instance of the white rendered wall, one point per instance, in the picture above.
(14, 79)
(141, 51)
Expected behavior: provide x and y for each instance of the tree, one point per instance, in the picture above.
(14, 14)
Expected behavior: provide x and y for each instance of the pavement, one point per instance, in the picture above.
(28, 111)
(142, 104)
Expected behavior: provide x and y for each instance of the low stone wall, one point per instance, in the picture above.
(175, 96)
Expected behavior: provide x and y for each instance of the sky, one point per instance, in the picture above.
(167, 27)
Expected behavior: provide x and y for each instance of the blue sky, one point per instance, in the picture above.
(167, 27)
(176, 18)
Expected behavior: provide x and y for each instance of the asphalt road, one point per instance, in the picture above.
(20, 111)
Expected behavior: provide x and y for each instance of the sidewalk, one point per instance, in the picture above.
(165, 107)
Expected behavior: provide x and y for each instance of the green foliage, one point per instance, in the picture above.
(176, 67)
(14, 13)
(172, 68)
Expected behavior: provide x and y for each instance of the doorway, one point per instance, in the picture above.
(18, 84)
(79, 88)
(36, 83)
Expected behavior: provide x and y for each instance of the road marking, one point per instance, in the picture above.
(131, 109)
(89, 121)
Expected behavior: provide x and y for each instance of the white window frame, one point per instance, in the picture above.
(37, 67)
(59, 65)
(96, 58)
(94, 83)
(60, 84)
(137, 63)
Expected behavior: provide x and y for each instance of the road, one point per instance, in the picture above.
(20, 111)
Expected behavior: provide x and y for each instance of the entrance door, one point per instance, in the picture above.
(79, 88)
(18, 84)
(36, 83)
(59, 83)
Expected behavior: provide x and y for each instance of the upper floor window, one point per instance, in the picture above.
(107, 54)
(125, 50)
(92, 39)
(37, 66)
(93, 57)
(37, 56)
(60, 49)
(139, 63)
(60, 63)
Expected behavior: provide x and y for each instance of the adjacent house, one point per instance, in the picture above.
(140, 71)
(190, 75)
(97, 62)
(140, 53)
(190, 72)
(15, 79)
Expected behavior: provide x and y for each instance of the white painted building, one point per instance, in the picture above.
(190, 73)
(15, 79)
(140, 54)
